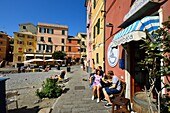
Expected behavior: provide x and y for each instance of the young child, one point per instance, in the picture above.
(96, 85)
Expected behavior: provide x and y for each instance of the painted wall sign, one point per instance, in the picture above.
(112, 55)
(137, 5)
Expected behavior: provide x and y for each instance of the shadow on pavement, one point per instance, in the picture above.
(25, 110)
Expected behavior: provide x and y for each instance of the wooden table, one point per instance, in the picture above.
(123, 102)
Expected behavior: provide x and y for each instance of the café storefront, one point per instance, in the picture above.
(130, 39)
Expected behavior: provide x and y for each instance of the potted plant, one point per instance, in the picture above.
(157, 64)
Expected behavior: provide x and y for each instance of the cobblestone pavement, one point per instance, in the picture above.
(78, 97)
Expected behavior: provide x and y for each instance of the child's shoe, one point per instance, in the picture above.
(98, 100)
(92, 98)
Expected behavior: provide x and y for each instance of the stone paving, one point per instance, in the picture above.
(78, 98)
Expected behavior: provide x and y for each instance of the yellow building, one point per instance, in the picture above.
(83, 44)
(24, 46)
(97, 33)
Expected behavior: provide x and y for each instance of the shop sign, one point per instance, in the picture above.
(137, 5)
(135, 35)
(112, 55)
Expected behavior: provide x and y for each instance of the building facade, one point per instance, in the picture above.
(28, 27)
(83, 44)
(4, 46)
(88, 5)
(98, 33)
(50, 38)
(73, 49)
(24, 46)
(124, 28)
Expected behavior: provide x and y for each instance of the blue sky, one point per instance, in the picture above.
(65, 12)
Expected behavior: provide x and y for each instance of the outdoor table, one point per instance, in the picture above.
(123, 102)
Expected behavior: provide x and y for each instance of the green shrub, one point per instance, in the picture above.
(50, 89)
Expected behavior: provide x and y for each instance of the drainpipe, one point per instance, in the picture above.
(104, 68)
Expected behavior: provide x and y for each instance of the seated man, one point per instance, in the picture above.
(114, 88)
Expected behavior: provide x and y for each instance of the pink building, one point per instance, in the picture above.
(50, 38)
(89, 48)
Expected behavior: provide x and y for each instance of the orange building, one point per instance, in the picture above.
(73, 48)
(4, 46)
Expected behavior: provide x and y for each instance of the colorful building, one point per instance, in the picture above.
(97, 33)
(24, 46)
(4, 46)
(50, 38)
(73, 49)
(28, 27)
(124, 28)
(88, 5)
(83, 37)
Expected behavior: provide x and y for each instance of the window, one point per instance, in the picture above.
(0, 42)
(49, 48)
(69, 49)
(42, 30)
(62, 41)
(29, 36)
(20, 42)
(62, 48)
(69, 41)
(20, 35)
(98, 26)
(19, 49)
(41, 38)
(1, 36)
(29, 50)
(50, 31)
(49, 39)
(94, 46)
(94, 30)
(83, 43)
(0, 49)
(30, 43)
(78, 41)
(39, 30)
(94, 4)
(24, 27)
(19, 58)
(84, 49)
(97, 57)
(63, 32)
(81, 49)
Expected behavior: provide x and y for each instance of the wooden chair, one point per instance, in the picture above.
(123, 86)
(12, 97)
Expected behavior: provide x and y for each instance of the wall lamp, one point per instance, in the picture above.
(109, 25)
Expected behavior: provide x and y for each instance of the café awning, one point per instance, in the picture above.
(136, 30)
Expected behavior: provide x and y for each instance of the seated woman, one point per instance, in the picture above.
(96, 85)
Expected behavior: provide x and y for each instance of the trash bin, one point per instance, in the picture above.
(3, 95)
(68, 69)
